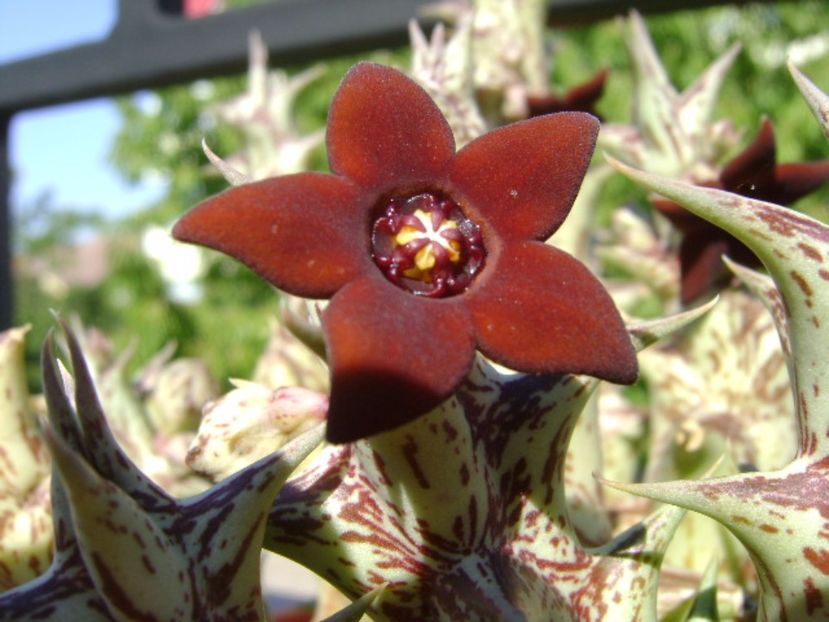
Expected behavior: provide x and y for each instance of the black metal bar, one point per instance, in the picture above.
(148, 49)
(6, 294)
(568, 12)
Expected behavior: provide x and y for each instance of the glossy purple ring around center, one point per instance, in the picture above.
(425, 244)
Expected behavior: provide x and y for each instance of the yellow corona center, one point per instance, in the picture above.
(426, 257)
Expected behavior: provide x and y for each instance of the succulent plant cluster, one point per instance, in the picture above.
(480, 464)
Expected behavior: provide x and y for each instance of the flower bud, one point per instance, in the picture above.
(251, 422)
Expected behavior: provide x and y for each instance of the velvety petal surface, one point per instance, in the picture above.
(701, 250)
(797, 179)
(700, 257)
(385, 131)
(755, 174)
(522, 179)
(393, 356)
(308, 234)
(755, 163)
(540, 310)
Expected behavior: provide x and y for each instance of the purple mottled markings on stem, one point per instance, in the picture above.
(24, 471)
(788, 224)
(66, 588)
(100, 446)
(488, 537)
(123, 536)
(818, 559)
(120, 599)
(410, 453)
(813, 596)
(381, 521)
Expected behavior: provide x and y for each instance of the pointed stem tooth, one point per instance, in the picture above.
(61, 413)
(127, 555)
(777, 518)
(647, 65)
(359, 608)
(417, 39)
(705, 602)
(100, 446)
(127, 552)
(649, 332)
(700, 98)
(634, 558)
(258, 65)
(234, 513)
(818, 100)
(231, 175)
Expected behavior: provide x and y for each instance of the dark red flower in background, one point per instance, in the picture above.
(755, 174)
(581, 98)
(425, 253)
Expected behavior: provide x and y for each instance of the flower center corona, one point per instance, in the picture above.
(426, 245)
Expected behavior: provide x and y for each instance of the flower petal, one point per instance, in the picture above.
(753, 173)
(523, 178)
(393, 356)
(700, 260)
(540, 310)
(581, 98)
(308, 234)
(384, 130)
(797, 179)
(754, 166)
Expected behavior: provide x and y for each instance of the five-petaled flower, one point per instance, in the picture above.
(426, 254)
(754, 173)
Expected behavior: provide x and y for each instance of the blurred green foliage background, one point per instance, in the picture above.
(229, 325)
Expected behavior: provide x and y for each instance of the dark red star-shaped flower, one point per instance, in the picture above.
(755, 174)
(426, 254)
(581, 98)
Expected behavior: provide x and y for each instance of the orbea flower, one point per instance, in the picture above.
(425, 253)
(755, 174)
